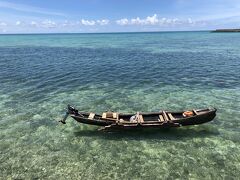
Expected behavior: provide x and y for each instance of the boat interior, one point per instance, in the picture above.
(162, 116)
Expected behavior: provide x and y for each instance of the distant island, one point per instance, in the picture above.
(226, 30)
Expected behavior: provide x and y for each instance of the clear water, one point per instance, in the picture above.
(128, 72)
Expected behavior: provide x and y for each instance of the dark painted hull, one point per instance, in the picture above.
(96, 122)
(203, 117)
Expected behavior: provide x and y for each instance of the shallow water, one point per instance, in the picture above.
(128, 72)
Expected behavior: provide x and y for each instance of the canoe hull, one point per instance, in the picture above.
(200, 119)
(204, 116)
(96, 122)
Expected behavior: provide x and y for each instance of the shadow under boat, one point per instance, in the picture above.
(142, 134)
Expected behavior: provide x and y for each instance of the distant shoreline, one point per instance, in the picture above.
(226, 30)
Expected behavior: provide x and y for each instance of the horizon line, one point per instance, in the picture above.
(113, 32)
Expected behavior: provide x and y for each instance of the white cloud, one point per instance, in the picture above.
(151, 20)
(33, 23)
(154, 20)
(136, 21)
(122, 22)
(48, 24)
(18, 23)
(103, 22)
(94, 22)
(190, 21)
(66, 23)
(88, 23)
(3, 24)
(69, 23)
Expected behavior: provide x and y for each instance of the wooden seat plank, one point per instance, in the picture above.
(161, 118)
(196, 113)
(104, 115)
(171, 116)
(140, 118)
(165, 116)
(115, 115)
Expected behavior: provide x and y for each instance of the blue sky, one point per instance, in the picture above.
(45, 16)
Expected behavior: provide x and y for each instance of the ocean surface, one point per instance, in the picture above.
(127, 72)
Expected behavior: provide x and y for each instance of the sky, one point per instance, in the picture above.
(76, 16)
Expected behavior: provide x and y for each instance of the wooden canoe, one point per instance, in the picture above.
(162, 119)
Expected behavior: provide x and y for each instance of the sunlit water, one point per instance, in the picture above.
(129, 72)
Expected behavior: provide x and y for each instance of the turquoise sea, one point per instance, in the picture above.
(127, 72)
